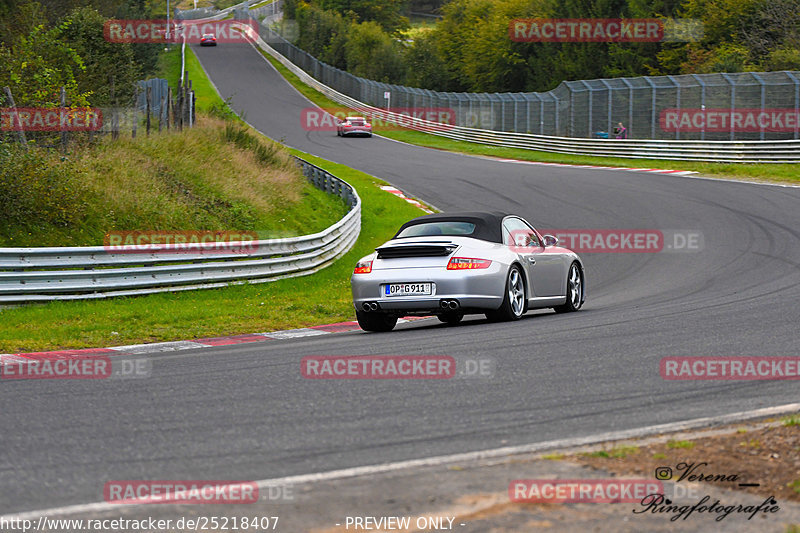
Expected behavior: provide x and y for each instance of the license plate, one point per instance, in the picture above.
(407, 289)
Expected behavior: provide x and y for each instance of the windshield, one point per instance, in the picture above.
(437, 228)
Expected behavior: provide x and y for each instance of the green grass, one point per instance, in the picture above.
(554, 456)
(620, 452)
(210, 177)
(680, 444)
(791, 421)
(771, 172)
(169, 65)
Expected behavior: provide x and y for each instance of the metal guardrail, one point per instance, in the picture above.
(91, 272)
(775, 151)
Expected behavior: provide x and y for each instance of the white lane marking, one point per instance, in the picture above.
(628, 169)
(397, 192)
(292, 333)
(11, 358)
(454, 458)
(158, 347)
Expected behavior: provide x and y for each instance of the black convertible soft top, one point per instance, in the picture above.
(488, 225)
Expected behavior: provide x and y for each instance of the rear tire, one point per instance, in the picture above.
(450, 318)
(376, 321)
(514, 303)
(574, 290)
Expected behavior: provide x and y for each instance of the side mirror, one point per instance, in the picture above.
(549, 240)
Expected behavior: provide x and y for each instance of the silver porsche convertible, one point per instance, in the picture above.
(452, 264)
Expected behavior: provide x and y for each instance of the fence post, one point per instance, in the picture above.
(796, 103)
(733, 102)
(610, 116)
(161, 111)
(114, 118)
(191, 105)
(571, 112)
(166, 107)
(763, 98)
(652, 107)
(700, 81)
(179, 112)
(135, 110)
(64, 134)
(677, 103)
(147, 95)
(591, 109)
(20, 132)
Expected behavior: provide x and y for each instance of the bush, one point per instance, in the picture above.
(38, 190)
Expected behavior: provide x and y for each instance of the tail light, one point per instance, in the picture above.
(363, 267)
(467, 263)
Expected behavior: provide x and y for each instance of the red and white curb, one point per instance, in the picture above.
(400, 194)
(207, 342)
(629, 169)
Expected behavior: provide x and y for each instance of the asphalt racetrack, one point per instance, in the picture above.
(245, 411)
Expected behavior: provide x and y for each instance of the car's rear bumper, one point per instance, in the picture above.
(475, 291)
(354, 131)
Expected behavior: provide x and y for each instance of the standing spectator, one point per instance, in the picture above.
(621, 131)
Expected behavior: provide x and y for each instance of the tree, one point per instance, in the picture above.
(426, 68)
(37, 65)
(102, 59)
(373, 54)
(387, 13)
